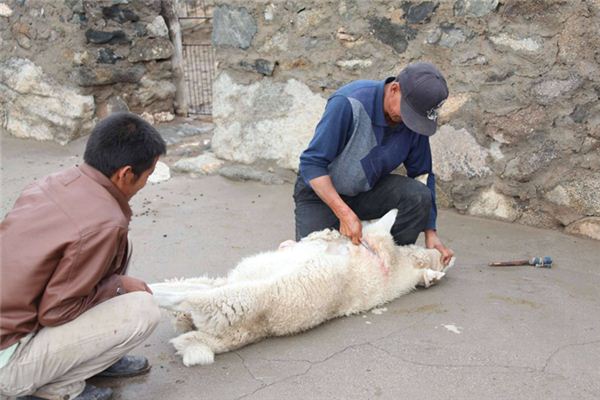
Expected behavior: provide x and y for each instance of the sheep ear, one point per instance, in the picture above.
(385, 223)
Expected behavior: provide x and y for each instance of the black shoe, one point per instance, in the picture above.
(90, 392)
(127, 366)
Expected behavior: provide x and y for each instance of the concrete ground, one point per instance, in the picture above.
(482, 333)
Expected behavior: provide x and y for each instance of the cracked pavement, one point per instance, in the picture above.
(493, 333)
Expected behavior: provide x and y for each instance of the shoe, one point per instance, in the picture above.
(127, 366)
(90, 392)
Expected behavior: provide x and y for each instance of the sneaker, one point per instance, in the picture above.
(90, 392)
(127, 366)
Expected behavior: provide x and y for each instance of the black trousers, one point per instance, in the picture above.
(409, 196)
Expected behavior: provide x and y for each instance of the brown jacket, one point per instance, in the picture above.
(62, 249)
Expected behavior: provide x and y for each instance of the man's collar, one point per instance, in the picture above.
(379, 113)
(103, 181)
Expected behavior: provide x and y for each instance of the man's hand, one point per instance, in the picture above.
(432, 241)
(351, 226)
(131, 284)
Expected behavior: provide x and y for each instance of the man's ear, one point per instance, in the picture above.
(123, 175)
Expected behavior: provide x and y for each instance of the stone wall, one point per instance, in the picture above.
(65, 62)
(520, 133)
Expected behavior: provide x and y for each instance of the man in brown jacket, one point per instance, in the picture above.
(67, 309)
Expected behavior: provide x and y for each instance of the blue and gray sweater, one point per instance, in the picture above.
(354, 145)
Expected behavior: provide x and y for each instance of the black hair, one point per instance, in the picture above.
(123, 139)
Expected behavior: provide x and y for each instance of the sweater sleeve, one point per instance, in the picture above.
(83, 277)
(418, 163)
(331, 135)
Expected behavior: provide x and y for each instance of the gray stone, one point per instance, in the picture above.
(579, 193)
(37, 107)
(589, 227)
(492, 204)
(5, 10)
(521, 44)
(113, 105)
(102, 37)
(107, 75)
(248, 173)
(176, 133)
(119, 13)
(161, 173)
(107, 56)
(456, 153)
(233, 27)
(451, 36)
(158, 27)
(420, 13)
(260, 121)
(474, 8)
(547, 91)
(151, 91)
(148, 49)
(261, 66)
(204, 164)
(394, 35)
(354, 64)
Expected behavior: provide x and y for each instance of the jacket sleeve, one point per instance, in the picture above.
(84, 276)
(331, 135)
(418, 163)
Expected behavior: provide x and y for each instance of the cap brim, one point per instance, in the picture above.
(415, 121)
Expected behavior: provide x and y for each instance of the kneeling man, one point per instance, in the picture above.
(67, 309)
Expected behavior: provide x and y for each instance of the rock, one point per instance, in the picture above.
(233, 27)
(589, 227)
(107, 56)
(492, 204)
(547, 91)
(456, 152)
(526, 44)
(151, 91)
(23, 41)
(149, 118)
(37, 107)
(148, 49)
(579, 192)
(394, 35)
(176, 133)
(260, 120)
(354, 64)
(451, 36)
(420, 13)
(107, 75)
(248, 173)
(5, 10)
(262, 66)
(204, 164)
(102, 37)
(113, 105)
(515, 126)
(161, 173)
(474, 8)
(119, 14)
(158, 27)
(164, 116)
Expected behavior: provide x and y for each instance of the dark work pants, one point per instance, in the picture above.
(409, 196)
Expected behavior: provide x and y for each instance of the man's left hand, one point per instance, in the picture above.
(432, 241)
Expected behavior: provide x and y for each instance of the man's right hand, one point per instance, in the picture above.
(131, 284)
(351, 226)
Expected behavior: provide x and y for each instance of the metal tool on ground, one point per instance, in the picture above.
(538, 262)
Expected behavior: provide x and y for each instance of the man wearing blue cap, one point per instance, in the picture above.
(368, 129)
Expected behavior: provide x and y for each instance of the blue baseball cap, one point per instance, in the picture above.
(424, 90)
